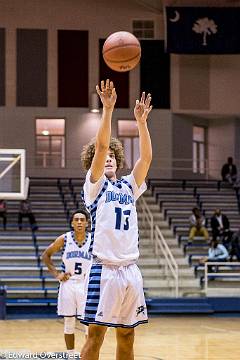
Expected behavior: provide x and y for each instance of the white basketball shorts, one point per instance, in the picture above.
(71, 299)
(115, 296)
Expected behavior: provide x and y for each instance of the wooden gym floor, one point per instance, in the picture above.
(164, 338)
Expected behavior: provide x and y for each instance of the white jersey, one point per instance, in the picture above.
(76, 259)
(114, 233)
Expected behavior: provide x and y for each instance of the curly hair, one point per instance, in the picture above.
(89, 151)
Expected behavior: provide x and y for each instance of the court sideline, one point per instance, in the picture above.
(164, 338)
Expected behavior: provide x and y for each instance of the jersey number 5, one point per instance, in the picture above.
(119, 214)
(78, 268)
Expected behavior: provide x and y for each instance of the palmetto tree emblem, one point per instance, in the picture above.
(206, 27)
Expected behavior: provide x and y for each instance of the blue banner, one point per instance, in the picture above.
(203, 30)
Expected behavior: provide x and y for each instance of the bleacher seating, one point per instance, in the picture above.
(27, 279)
(176, 198)
(21, 269)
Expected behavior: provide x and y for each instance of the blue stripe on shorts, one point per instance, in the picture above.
(93, 295)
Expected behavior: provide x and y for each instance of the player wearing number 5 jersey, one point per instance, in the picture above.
(115, 295)
(76, 261)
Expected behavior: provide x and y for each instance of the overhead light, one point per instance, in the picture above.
(94, 103)
(45, 132)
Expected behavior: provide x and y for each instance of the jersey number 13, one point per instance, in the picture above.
(122, 216)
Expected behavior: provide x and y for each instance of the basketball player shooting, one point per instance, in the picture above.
(76, 261)
(115, 295)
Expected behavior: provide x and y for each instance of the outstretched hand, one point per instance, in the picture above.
(107, 94)
(143, 108)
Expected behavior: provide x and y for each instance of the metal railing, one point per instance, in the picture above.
(170, 263)
(160, 245)
(219, 274)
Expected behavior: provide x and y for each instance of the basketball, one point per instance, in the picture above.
(121, 51)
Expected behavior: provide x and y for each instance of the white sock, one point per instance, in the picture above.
(72, 351)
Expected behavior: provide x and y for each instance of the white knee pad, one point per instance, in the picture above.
(69, 325)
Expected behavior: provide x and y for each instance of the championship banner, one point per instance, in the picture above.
(203, 30)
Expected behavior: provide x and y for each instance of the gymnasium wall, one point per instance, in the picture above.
(222, 141)
(99, 19)
(182, 133)
(221, 135)
(199, 86)
(81, 126)
(205, 84)
(2, 67)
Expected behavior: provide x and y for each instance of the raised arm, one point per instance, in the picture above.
(108, 98)
(141, 111)
(46, 257)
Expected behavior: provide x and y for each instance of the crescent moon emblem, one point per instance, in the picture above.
(176, 18)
